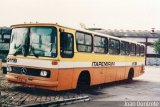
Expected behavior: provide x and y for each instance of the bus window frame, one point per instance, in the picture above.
(84, 40)
(105, 48)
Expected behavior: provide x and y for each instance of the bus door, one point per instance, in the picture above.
(66, 60)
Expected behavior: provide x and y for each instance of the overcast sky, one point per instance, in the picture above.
(108, 14)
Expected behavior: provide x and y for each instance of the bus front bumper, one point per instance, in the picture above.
(31, 81)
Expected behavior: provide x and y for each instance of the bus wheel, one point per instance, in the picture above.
(130, 75)
(83, 81)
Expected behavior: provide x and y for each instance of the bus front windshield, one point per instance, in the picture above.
(34, 41)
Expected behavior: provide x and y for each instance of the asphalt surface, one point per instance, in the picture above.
(142, 90)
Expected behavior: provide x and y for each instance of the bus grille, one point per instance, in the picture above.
(29, 71)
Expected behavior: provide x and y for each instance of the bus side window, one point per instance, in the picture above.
(127, 48)
(138, 50)
(84, 42)
(124, 48)
(114, 46)
(66, 45)
(100, 44)
(132, 49)
(142, 50)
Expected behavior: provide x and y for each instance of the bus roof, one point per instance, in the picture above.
(77, 29)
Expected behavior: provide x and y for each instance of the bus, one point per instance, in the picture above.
(55, 57)
(5, 33)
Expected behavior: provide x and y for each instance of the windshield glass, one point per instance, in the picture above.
(34, 41)
(18, 40)
(41, 43)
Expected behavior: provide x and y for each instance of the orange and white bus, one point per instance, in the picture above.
(55, 57)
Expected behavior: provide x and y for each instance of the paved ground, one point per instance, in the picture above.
(143, 88)
(17, 95)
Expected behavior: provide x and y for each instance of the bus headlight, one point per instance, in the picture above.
(43, 73)
(9, 69)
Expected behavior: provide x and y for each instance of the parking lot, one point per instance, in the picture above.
(143, 88)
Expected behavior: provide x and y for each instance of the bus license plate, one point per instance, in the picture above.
(22, 80)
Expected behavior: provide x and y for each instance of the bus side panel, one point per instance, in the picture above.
(65, 79)
(112, 71)
(107, 77)
(99, 76)
(137, 70)
(120, 73)
(123, 73)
